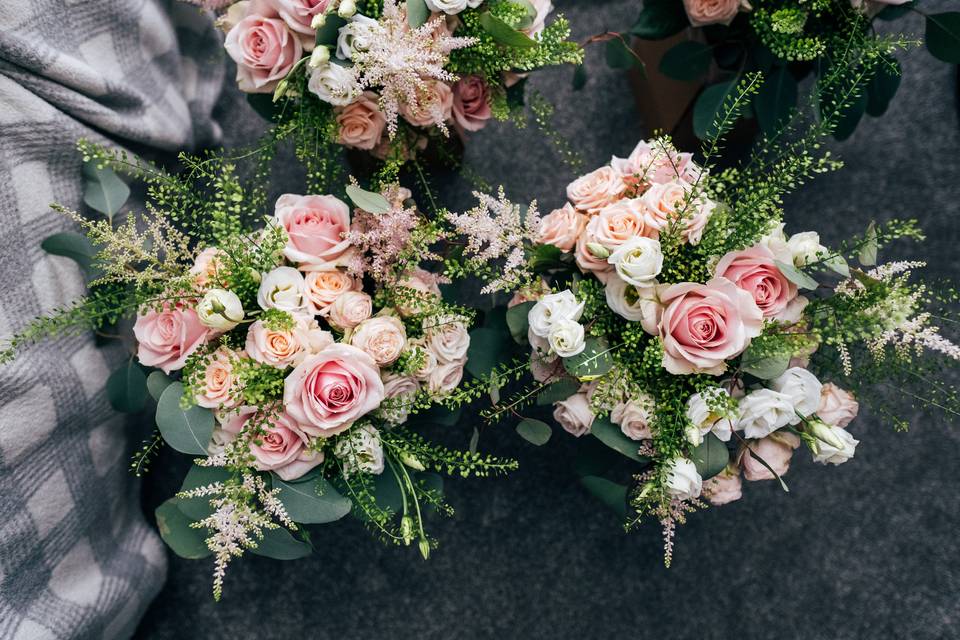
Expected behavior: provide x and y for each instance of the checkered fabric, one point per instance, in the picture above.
(77, 559)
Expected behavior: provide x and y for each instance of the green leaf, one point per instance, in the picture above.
(199, 508)
(327, 34)
(417, 13)
(686, 61)
(609, 493)
(367, 200)
(486, 348)
(868, 251)
(175, 530)
(579, 77)
(546, 257)
(312, 502)
(504, 34)
(883, 86)
(474, 440)
(710, 457)
(280, 544)
(838, 264)
(943, 36)
(157, 381)
(127, 388)
(765, 366)
(265, 107)
(535, 432)
(71, 245)
(557, 391)
(850, 117)
(611, 435)
(708, 106)
(619, 55)
(187, 431)
(775, 100)
(796, 276)
(591, 363)
(103, 190)
(660, 19)
(518, 321)
(594, 458)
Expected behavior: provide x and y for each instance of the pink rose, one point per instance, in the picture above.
(838, 407)
(230, 423)
(447, 338)
(543, 369)
(322, 288)
(361, 123)
(561, 227)
(723, 488)
(704, 12)
(272, 347)
(328, 391)
(206, 267)
(618, 222)
(282, 448)
(471, 103)
(434, 105)
(350, 309)
(299, 14)
(594, 191)
(167, 337)
(218, 381)
(382, 338)
(633, 417)
(445, 377)
(652, 164)
(315, 228)
(776, 450)
(574, 414)
(755, 271)
(704, 325)
(665, 202)
(265, 51)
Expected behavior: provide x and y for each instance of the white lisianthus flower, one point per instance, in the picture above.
(764, 411)
(634, 304)
(282, 289)
(452, 7)
(551, 308)
(804, 247)
(360, 450)
(220, 309)
(566, 338)
(335, 84)
(705, 419)
(683, 481)
(802, 387)
(638, 261)
(829, 453)
(356, 35)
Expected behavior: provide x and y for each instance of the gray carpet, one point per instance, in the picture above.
(869, 549)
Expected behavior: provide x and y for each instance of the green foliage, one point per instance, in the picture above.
(660, 19)
(187, 430)
(312, 500)
(536, 432)
(127, 388)
(943, 36)
(687, 61)
(103, 190)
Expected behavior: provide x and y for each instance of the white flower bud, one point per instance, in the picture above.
(599, 251)
(220, 309)
(318, 21)
(319, 57)
(347, 8)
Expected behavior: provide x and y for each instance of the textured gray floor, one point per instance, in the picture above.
(866, 550)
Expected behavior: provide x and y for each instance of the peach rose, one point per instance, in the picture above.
(634, 417)
(704, 12)
(594, 191)
(167, 337)
(776, 450)
(328, 391)
(588, 262)
(471, 103)
(350, 309)
(838, 407)
(651, 164)
(265, 50)
(361, 123)
(315, 227)
(447, 337)
(382, 338)
(322, 288)
(704, 325)
(755, 271)
(218, 381)
(723, 488)
(272, 347)
(282, 448)
(574, 414)
(618, 222)
(206, 266)
(434, 105)
(425, 290)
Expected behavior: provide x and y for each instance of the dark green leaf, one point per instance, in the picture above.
(883, 86)
(175, 530)
(265, 107)
(895, 12)
(708, 106)
(534, 431)
(850, 117)
(660, 19)
(775, 100)
(710, 457)
(868, 250)
(187, 431)
(474, 440)
(686, 60)
(71, 245)
(518, 321)
(591, 363)
(417, 13)
(486, 349)
(557, 391)
(127, 388)
(619, 55)
(327, 34)
(367, 200)
(796, 276)
(546, 257)
(199, 508)
(611, 435)
(280, 544)
(103, 190)
(765, 366)
(594, 458)
(157, 381)
(504, 34)
(579, 77)
(609, 493)
(943, 36)
(312, 502)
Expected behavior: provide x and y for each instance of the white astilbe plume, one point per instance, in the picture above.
(400, 62)
(497, 229)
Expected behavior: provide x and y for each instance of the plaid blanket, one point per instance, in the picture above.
(77, 558)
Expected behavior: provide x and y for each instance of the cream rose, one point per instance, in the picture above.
(220, 310)
(708, 411)
(830, 453)
(638, 261)
(566, 338)
(334, 83)
(764, 411)
(282, 289)
(383, 338)
(356, 36)
(683, 481)
(402, 390)
(447, 337)
(551, 308)
(803, 389)
(637, 304)
(574, 414)
(445, 377)
(360, 451)
(634, 417)
(350, 309)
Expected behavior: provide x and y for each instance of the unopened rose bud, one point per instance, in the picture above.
(347, 9)
(598, 251)
(318, 21)
(319, 57)
(280, 90)
(824, 432)
(812, 443)
(406, 529)
(220, 309)
(425, 548)
(411, 461)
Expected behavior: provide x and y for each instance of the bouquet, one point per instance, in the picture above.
(387, 77)
(669, 316)
(286, 353)
(787, 39)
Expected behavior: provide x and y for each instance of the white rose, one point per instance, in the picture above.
(350, 309)
(802, 387)
(776, 241)
(635, 304)
(836, 454)
(638, 261)
(566, 338)
(383, 338)
(683, 481)
(447, 337)
(356, 35)
(633, 417)
(452, 7)
(804, 247)
(360, 450)
(764, 411)
(445, 377)
(335, 84)
(220, 309)
(551, 308)
(283, 288)
(574, 414)
(706, 419)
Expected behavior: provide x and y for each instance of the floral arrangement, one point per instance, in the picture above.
(788, 40)
(669, 315)
(286, 353)
(385, 77)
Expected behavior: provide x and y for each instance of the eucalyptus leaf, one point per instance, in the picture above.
(775, 100)
(71, 245)
(591, 363)
(660, 19)
(796, 276)
(312, 502)
(765, 366)
(708, 106)
(175, 530)
(197, 476)
(327, 34)
(883, 86)
(504, 34)
(157, 381)
(943, 36)
(535, 432)
(486, 347)
(518, 321)
(103, 190)
(186, 430)
(868, 251)
(611, 435)
(367, 200)
(127, 388)
(609, 493)
(686, 61)
(557, 391)
(619, 55)
(417, 13)
(280, 544)
(710, 457)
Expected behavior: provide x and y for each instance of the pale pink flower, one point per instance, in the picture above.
(316, 227)
(166, 338)
(755, 271)
(471, 103)
(264, 49)
(597, 189)
(838, 407)
(282, 448)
